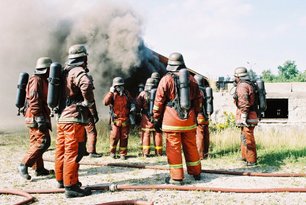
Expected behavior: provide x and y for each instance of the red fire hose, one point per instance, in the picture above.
(126, 187)
(142, 166)
(28, 197)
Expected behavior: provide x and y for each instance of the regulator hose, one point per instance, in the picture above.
(142, 166)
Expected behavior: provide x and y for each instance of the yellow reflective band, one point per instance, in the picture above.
(168, 127)
(158, 147)
(192, 164)
(148, 129)
(146, 147)
(122, 148)
(175, 166)
(155, 107)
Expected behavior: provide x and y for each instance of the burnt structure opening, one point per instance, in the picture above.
(277, 108)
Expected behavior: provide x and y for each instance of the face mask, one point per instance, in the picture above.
(119, 89)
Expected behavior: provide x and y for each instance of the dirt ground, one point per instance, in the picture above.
(11, 156)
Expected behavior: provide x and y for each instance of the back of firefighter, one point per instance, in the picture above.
(76, 109)
(147, 127)
(120, 102)
(37, 118)
(203, 122)
(246, 117)
(179, 133)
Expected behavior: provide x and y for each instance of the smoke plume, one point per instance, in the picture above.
(111, 32)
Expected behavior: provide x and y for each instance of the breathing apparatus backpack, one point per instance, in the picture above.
(260, 103)
(181, 103)
(21, 92)
(55, 78)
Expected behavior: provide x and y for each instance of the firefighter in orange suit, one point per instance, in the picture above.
(175, 114)
(37, 118)
(246, 117)
(203, 122)
(91, 135)
(121, 104)
(76, 108)
(147, 127)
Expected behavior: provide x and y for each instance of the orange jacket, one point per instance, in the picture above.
(245, 100)
(36, 97)
(170, 119)
(143, 103)
(78, 87)
(119, 104)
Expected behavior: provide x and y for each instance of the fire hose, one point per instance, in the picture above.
(142, 166)
(126, 187)
(114, 187)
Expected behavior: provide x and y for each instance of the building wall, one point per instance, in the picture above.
(294, 92)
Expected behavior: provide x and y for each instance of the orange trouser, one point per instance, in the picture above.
(157, 140)
(174, 142)
(248, 145)
(119, 134)
(39, 143)
(203, 140)
(69, 149)
(91, 137)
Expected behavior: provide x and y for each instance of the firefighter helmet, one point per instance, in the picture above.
(42, 65)
(241, 72)
(155, 75)
(150, 83)
(175, 61)
(117, 81)
(77, 51)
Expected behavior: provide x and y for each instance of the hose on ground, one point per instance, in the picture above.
(28, 197)
(225, 172)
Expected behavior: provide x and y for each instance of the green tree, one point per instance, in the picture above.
(267, 76)
(288, 71)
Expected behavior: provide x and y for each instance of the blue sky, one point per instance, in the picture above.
(215, 36)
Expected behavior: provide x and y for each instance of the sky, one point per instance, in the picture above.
(214, 36)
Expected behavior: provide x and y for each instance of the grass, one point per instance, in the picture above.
(275, 147)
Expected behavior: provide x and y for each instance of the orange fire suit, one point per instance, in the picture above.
(147, 127)
(91, 136)
(120, 108)
(36, 96)
(202, 136)
(179, 132)
(245, 102)
(70, 144)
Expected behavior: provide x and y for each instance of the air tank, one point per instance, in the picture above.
(21, 90)
(54, 85)
(184, 89)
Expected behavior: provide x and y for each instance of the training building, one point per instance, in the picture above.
(286, 103)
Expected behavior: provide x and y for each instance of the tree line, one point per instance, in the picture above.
(288, 72)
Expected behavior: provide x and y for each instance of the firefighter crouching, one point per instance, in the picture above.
(120, 102)
(176, 105)
(202, 136)
(246, 117)
(76, 107)
(37, 118)
(143, 103)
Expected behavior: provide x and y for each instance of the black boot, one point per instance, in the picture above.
(23, 170)
(94, 155)
(60, 184)
(44, 172)
(76, 191)
(197, 177)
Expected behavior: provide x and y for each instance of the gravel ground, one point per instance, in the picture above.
(93, 175)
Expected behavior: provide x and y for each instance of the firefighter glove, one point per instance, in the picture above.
(157, 125)
(244, 119)
(41, 123)
(112, 89)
